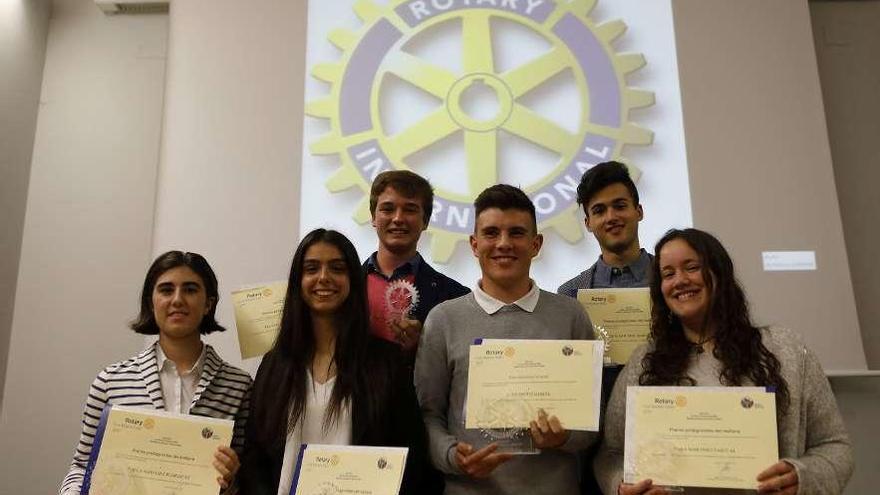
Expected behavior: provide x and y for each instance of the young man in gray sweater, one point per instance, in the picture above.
(506, 303)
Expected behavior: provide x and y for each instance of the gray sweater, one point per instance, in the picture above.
(811, 434)
(441, 374)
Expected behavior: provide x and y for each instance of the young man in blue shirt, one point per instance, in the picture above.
(613, 212)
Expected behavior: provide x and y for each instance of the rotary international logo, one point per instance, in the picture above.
(149, 423)
(680, 401)
(578, 45)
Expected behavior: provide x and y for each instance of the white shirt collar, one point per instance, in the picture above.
(491, 305)
(162, 361)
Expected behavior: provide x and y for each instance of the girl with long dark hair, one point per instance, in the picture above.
(702, 335)
(326, 379)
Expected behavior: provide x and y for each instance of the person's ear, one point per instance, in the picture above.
(537, 242)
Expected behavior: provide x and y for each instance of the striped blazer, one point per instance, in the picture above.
(223, 392)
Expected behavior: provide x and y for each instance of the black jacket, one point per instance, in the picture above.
(433, 288)
(395, 422)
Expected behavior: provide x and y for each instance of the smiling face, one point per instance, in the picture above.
(325, 284)
(179, 303)
(682, 284)
(399, 221)
(505, 243)
(613, 217)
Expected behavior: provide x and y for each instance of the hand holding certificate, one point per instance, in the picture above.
(510, 380)
(332, 469)
(147, 452)
(718, 437)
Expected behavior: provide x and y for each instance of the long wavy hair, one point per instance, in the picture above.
(737, 341)
(280, 389)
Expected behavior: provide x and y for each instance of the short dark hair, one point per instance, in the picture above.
(145, 322)
(407, 183)
(601, 176)
(505, 197)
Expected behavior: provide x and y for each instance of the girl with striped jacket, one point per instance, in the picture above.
(177, 373)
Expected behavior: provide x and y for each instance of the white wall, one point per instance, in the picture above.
(847, 38)
(847, 41)
(87, 232)
(229, 176)
(859, 401)
(760, 163)
(24, 27)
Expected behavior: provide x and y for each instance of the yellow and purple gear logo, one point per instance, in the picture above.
(577, 44)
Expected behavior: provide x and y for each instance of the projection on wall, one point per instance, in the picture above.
(470, 93)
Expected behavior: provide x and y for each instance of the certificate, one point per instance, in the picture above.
(258, 316)
(148, 452)
(620, 317)
(718, 437)
(509, 380)
(340, 469)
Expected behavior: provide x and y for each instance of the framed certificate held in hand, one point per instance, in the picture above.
(509, 380)
(150, 452)
(714, 437)
(330, 469)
